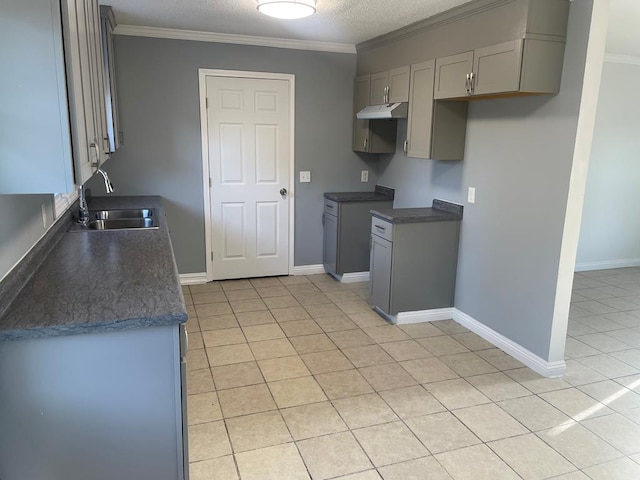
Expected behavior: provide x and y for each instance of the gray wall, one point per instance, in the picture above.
(21, 226)
(610, 231)
(158, 88)
(519, 154)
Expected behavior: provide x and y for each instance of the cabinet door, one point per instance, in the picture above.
(330, 245)
(97, 74)
(361, 91)
(111, 91)
(497, 68)
(379, 85)
(421, 110)
(399, 85)
(35, 140)
(451, 75)
(380, 269)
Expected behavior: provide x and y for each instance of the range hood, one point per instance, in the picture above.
(381, 112)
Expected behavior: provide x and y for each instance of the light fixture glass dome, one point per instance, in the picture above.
(287, 9)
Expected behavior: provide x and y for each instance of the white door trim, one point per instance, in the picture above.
(203, 73)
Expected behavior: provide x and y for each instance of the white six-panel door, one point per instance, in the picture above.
(249, 155)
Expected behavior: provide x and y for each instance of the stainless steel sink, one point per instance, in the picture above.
(119, 214)
(123, 224)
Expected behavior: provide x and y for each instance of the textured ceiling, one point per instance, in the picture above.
(624, 33)
(337, 21)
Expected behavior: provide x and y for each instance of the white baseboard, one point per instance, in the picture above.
(355, 277)
(530, 359)
(308, 269)
(405, 318)
(193, 278)
(587, 266)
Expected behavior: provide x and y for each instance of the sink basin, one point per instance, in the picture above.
(119, 214)
(123, 224)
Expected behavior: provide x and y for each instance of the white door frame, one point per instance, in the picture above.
(203, 73)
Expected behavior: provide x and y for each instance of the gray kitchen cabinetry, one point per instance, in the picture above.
(413, 263)
(346, 235)
(390, 87)
(53, 110)
(108, 23)
(520, 66)
(370, 136)
(435, 130)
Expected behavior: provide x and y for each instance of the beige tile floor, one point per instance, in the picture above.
(296, 378)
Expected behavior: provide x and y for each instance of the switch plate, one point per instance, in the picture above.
(364, 176)
(471, 196)
(305, 177)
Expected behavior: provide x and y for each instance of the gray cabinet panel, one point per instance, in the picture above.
(449, 130)
(35, 141)
(362, 87)
(399, 85)
(497, 68)
(420, 119)
(330, 245)
(380, 281)
(379, 84)
(108, 24)
(95, 406)
(451, 75)
(416, 270)
(346, 235)
(542, 66)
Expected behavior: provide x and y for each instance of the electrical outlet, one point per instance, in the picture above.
(43, 210)
(471, 196)
(364, 176)
(305, 177)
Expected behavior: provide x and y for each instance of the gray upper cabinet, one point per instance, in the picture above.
(370, 136)
(114, 132)
(52, 95)
(520, 66)
(436, 130)
(390, 87)
(452, 74)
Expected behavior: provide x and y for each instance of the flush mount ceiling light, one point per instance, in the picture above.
(287, 9)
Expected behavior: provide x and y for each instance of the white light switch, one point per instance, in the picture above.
(305, 177)
(471, 196)
(364, 176)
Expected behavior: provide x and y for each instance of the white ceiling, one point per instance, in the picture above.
(337, 21)
(624, 28)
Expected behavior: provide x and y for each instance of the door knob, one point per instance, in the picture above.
(283, 192)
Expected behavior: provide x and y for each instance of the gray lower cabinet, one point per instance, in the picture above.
(346, 227)
(413, 265)
(100, 406)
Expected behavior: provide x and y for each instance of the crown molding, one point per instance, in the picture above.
(453, 15)
(626, 59)
(175, 34)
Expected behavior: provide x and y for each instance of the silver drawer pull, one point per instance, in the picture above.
(329, 206)
(381, 228)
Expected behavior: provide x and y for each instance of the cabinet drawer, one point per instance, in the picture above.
(330, 207)
(382, 228)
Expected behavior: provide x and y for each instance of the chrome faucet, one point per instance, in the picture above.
(83, 215)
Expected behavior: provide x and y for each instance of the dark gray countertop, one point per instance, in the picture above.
(380, 194)
(441, 211)
(101, 281)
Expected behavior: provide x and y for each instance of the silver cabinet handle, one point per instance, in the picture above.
(382, 229)
(467, 83)
(365, 144)
(96, 164)
(406, 146)
(388, 90)
(472, 85)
